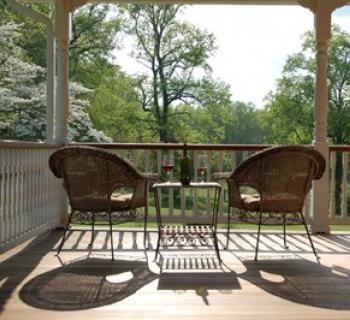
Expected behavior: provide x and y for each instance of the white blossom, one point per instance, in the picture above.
(23, 97)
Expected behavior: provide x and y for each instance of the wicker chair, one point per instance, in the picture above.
(92, 177)
(280, 177)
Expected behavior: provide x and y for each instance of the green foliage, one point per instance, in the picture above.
(171, 51)
(115, 110)
(231, 123)
(33, 34)
(289, 111)
(23, 97)
(186, 103)
(246, 126)
(94, 37)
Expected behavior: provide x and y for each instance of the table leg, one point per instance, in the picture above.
(215, 221)
(159, 221)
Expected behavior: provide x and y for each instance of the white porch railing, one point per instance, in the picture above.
(194, 204)
(30, 196)
(339, 179)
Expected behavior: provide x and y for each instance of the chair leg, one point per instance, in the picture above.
(308, 235)
(284, 233)
(64, 233)
(258, 238)
(228, 228)
(157, 248)
(145, 228)
(216, 246)
(92, 230)
(111, 232)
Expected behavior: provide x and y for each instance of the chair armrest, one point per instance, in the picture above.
(221, 176)
(139, 198)
(234, 192)
(151, 176)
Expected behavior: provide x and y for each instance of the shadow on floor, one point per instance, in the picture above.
(301, 281)
(200, 282)
(86, 284)
(17, 267)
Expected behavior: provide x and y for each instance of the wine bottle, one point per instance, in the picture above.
(185, 170)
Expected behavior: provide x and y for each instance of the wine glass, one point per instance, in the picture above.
(202, 165)
(168, 164)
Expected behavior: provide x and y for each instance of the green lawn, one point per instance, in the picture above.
(234, 226)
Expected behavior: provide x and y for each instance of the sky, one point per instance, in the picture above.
(253, 43)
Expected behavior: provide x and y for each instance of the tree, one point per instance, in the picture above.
(289, 112)
(172, 52)
(33, 39)
(115, 110)
(232, 123)
(247, 125)
(23, 97)
(94, 37)
(205, 124)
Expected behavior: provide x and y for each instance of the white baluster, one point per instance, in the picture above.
(221, 201)
(31, 191)
(17, 194)
(12, 194)
(208, 191)
(195, 212)
(344, 209)
(159, 170)
(2, 197)
(332, 198)
(21, 190)
(26, 200)
(171, 191)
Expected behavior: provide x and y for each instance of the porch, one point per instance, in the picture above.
(284, 284)
(33, 200)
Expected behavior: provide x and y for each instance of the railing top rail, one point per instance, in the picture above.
(28, 145)
(339, 148)
(176, 146)
(154, 146)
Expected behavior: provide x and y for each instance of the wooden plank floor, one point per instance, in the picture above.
(82, 284)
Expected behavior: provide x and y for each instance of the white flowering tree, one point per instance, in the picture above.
(23, 97)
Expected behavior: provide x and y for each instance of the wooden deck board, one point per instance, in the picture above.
(283, 284)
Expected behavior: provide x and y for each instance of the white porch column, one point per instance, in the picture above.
(62, 30)
(321, 187)
(323, 16)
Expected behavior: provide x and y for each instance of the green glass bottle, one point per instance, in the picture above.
(185, 169)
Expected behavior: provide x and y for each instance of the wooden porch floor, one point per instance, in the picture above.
(283, 284)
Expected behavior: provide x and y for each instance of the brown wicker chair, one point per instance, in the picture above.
(281, 177)
(92, 177)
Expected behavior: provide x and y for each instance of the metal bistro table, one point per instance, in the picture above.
(187, 234)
